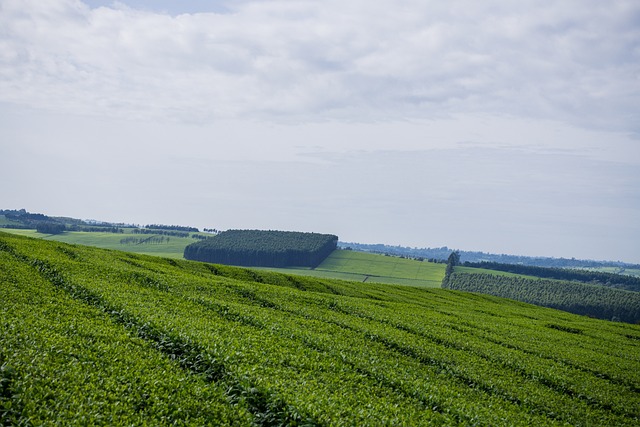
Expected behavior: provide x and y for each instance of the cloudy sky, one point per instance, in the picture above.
(506, 127)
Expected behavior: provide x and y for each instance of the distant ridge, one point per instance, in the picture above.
(442, 253)
(21, 218)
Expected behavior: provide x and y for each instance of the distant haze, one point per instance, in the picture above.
(494, 126)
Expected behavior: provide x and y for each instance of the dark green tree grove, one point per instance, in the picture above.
(48, 227)
(619, 281)
(579, 298)
(263, 248)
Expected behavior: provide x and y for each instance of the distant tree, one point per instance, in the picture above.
(452, 261)
(613, 280)
(580, 298)
(50, 227)
(263, 248)
(172, 227)
(454, 258)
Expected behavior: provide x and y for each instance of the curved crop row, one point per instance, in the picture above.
(65, 363)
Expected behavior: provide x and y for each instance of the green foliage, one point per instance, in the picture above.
(263, 248)
(579, 298)
(47, 227)
(153, 240)
(65, 362)
(174, 233)
(476, 257)
(182, 228)
(172, 247)
(452, 261)
(6, 222)
(619, 281)
(96, 337)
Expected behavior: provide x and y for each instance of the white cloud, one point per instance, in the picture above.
(507, 186)
(314, 60)
(501, 126)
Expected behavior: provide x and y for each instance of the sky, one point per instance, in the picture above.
(503, 127)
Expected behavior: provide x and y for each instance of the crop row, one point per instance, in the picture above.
(546, 386)
(517, 326)
(64, 362)
(575, 297)
(320, 390)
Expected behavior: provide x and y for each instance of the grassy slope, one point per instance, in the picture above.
(374, 268)
(286, 349)
(384, 269)
(174, 248)
(345, 265)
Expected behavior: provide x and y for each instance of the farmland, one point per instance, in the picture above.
(374, 268)
(476, 270)
(384, 269)
(576, 297)
(92, 336)
(346, 265)
(171, 247)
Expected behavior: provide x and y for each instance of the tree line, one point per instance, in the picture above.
(153, 240)
(172, 227)
(579, 298)
(95, 229)
(50, 227)
(263, 248)
(619, 281)
(24, 216)
(475, 256)
(160, 232)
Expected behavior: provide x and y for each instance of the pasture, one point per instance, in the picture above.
(341, 264)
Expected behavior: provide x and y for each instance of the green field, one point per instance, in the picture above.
(384, 269)
(172, 247)
(373, 268)
(346, 265)
(97, 337)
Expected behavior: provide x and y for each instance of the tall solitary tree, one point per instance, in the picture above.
(452, 261)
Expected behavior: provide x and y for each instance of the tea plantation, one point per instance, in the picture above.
(97, 337)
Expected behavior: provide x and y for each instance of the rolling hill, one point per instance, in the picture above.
(170, 247)
(597, 294)
(347, 265)
(102, 337)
